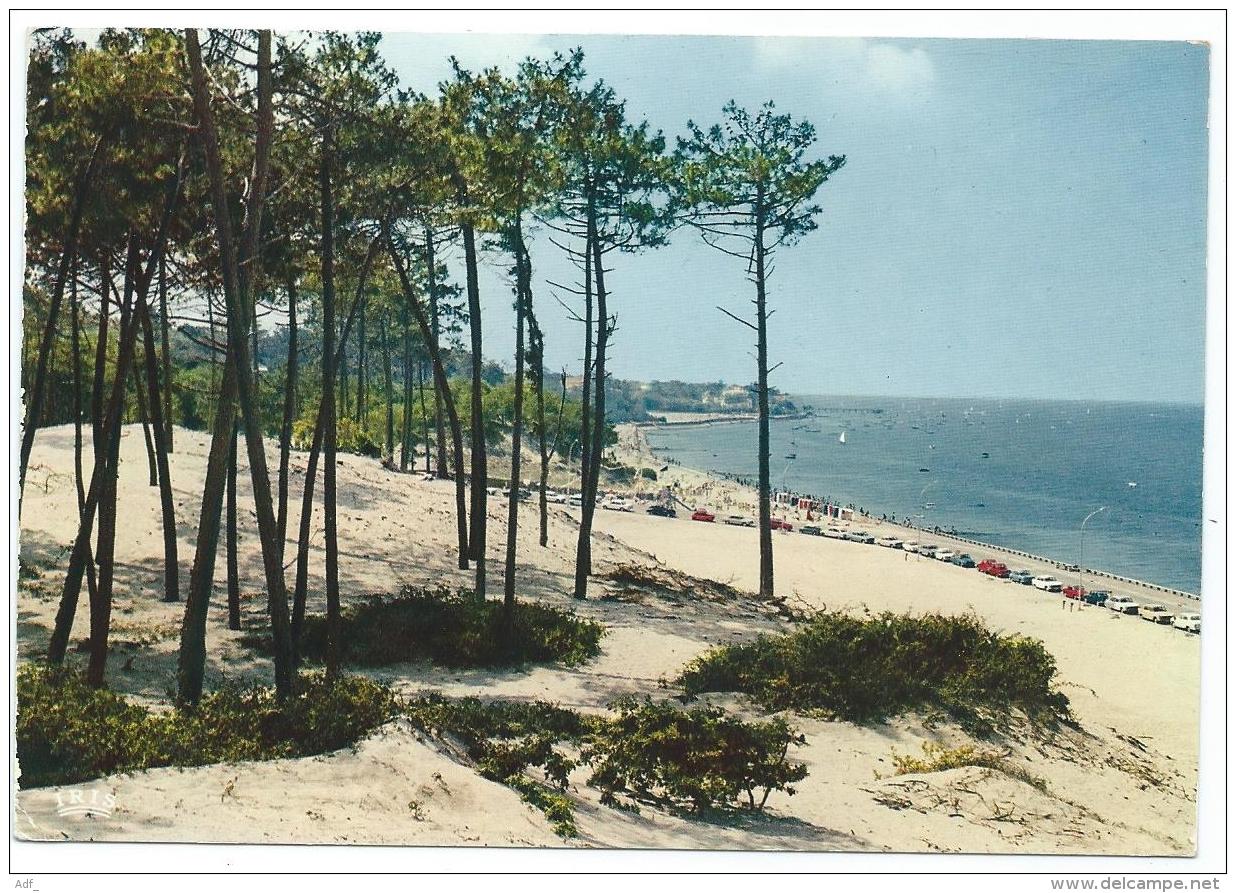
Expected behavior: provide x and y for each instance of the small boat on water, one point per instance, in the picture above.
(986, 455)
(841, 439)
(791, 455)
(924, 470)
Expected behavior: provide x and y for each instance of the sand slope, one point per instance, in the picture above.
(1124, 783)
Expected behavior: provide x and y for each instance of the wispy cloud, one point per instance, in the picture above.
(856, 63)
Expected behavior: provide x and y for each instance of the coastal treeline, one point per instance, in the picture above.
(268, 236)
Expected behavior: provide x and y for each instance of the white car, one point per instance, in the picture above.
(889, 542)
(1190, 623)
(928, 550)
(1156, 614)
(835, 533)
(739, 521)
(911, 546)
(860, 536)
(575, 500)
(1047, 584)
(495, 491)
(944, 555)
(617, 504)
(556, 498)
(1122, 604)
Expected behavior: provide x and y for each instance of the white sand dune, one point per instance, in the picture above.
(1125, 782)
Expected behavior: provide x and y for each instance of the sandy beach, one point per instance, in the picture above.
(1123, 782)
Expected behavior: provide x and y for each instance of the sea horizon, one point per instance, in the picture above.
(1002, 471)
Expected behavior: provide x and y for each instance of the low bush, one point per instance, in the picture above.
(452, 629)
(68, 731)
(867, 670)
(350, 436)
(505, 739)
(649, 474)
(700, 758)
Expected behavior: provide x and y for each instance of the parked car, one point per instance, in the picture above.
(928, 549)
(1122, 604)
(1096, 597)
(495, 491)
(779, 524)
(575, 500)
(1047, 584)
(703, 515)
(835, 533)
(617, 504)
(739, 521)
(1075, 592)
(1070, 568)
(963, 560)
(889, 542)
(1190, 623)
(555, 497)
(910, 546)
(860, 536)
(1156, 614)
(1023, 577)
(944, 555)
(811, 530)
(662, 511)
(993, 568)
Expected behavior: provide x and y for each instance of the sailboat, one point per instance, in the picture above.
(841, 439)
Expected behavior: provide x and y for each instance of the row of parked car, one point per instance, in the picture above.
(1122, 604)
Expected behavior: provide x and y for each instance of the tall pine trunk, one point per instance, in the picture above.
(761, 347)
(233, 559)
(420, 387)
(105, 552)
(517, 426)
(333, 612)
(68, 254)
(301, 591)
(431, 269)
(143, 414)
(388, 387)
(291, 372)
(479, 463)
(237, 276)
(166, 357)
(405, 448)
(440, 381)
(162, 440)
(596, 435)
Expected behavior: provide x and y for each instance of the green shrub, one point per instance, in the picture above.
(350, 436)
(866, 670)
(649, 474)
(700, 758)
(452, 629)
(69, 732)
(505, 739)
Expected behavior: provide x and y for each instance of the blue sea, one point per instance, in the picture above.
(1020, 474)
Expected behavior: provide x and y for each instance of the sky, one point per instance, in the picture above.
(1016, 218)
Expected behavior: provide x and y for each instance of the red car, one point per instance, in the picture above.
(703, 515)
(779, 524)
(993, 568)
(1077, 592)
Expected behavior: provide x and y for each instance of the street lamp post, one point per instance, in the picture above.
(1081, 546)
